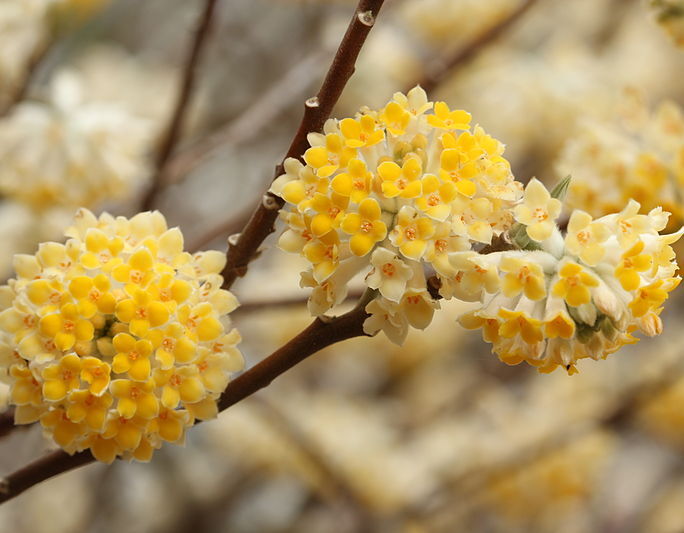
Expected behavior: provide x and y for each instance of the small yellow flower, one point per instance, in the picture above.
(323, 255)
(135, 398)
(329, 212)
(395, 118)
(538, 211)
(411, 233)
(181, 384)
(66, 327)
(446, 119)
(401, 181)
(62, 377)
(327, 159)
(362, 132)
(520, 323)
(561, 325)
(25, 389)
(522, 276)
(64, 430)
(365, 227)
(141, 312)
(457, 167)
(632, 263)
(355, 183)
(172, 345)
(83, 406)
(96, 373)
(585, 237)
(132, 357)
(652, 296)
(574, 285)
(437, 197)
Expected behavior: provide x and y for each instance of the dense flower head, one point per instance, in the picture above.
(566, 298)
(117, 340)
(636, 154)
(391, 194)
(66, 152)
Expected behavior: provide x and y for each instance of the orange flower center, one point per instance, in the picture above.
(410, 233)
(366, 226)
(388, 269)
(540, 214)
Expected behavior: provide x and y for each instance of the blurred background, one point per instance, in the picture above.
(436, 436)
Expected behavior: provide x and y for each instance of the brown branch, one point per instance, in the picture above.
(7, 422)
(24, 83)
(187, 85)
(464, 54)
(320, 334)
(316, 112)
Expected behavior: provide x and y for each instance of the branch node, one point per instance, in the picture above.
(326, 319)
(312, 102)
(366, 18)
(4, 486)
(269, 202)
(233, 239)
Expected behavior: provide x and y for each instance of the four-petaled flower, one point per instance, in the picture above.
(538, 211)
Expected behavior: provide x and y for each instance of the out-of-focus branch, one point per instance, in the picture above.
(22, 86)
(433, 77)
(320, 334)
(177, 119)
(251, 121)
(341, 491)
(316, 111)
(284, 303)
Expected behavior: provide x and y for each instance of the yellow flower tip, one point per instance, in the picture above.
(101, 328)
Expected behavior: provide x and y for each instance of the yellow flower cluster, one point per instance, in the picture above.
(557, 484)
(670, 15)
(387, 193)
(573, 297)
(637, 155)
(117, 340)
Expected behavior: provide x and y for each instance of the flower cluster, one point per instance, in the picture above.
(670, 16)
(638, 154)
(390, 193)
(67, 153)
(566, 298)
(117, 340)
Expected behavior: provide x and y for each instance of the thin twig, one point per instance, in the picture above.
(316, 112)
(320, 334)
(227, 228)
(251, 121)
(284, 303)
(177, 119)
(464, 54)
